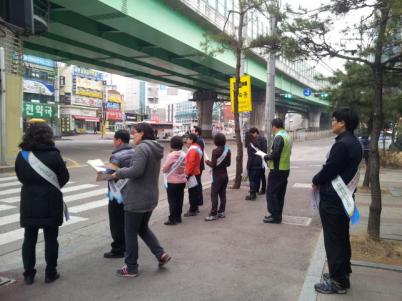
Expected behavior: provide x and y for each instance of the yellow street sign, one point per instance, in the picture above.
(245, 104)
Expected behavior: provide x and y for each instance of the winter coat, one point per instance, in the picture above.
(178, 176)
(193, 160)
(141, 192)
(41, 202)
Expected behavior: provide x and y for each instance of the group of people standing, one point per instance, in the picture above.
(42, 172)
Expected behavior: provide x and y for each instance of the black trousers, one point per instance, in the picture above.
(175, 193)
(200, 195)
(276, 190)
(218, 189)
(263, 181)
(335, 225)
(254, 177)
(116, 223)
(136, 223)
(195, 195)
(51, 249)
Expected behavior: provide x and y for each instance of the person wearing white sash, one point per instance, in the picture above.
(192, 170)
(219, 163)
(175, 179)
(340, 169)
(42, 172)
(121, 157)
(200, 141)
(141, 196)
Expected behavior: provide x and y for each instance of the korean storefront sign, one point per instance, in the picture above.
(39, 110)
(245, 104)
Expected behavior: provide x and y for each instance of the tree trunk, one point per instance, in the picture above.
(366, 181)
(374, 221)
(239, 156)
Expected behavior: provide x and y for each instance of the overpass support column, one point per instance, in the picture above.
(281, 113)
(205, 101)
(314, 119)
(257, 115)
(11, 95)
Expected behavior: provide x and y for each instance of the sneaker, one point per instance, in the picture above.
(190, 213)
(326, 276)
(123, 272)
(221, 214)
(251, 197)
(52, 278)
(113, 255)
(329, 287)
(164, 259)
(170, 223)
(211, 218)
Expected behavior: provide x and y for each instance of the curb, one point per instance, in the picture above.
(6, 169)
(314, 272)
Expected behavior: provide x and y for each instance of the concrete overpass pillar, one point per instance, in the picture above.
(11, 126)
(314, 119)
(281, 113)
(205, 101)
(257, 115)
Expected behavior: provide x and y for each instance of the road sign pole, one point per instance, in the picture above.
(270, 88)
(3, 131)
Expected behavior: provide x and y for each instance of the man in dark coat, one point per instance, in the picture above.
(41, 202)
(121, 157)
(343, 160)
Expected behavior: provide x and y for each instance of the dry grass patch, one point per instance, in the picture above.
(391, 159)
(384, 251)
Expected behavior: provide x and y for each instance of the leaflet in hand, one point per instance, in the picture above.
(97, 164)
(261, 154)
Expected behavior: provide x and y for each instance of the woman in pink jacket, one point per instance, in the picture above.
(175, 179)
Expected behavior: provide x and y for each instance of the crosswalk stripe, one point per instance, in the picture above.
(66, 189)
(9, 219)
(8, 178)
(69, 198)
(88, 206)
(10, 184)
(83, 195)
(78, 187)
(17, 183)
(302, 185)
(18, 234)
(6, 207)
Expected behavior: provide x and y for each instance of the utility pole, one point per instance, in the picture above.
(270, 88)
(3, 130)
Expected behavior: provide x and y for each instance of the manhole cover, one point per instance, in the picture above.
(296, 220)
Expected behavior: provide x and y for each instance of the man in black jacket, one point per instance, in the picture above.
(121, 157)
(343, 160)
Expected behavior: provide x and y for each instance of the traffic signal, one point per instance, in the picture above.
(287, 96)
(322, 95)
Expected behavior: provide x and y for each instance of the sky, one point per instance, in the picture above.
(334, 63)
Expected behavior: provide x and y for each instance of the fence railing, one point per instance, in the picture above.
(303, 135)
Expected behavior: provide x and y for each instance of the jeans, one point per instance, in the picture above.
(51, 249)
(175, 193)
(116, 222)
(136, 223)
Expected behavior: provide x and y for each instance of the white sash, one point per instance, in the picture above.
(115, 190)
(198, 149)
(219, 160)
(174, 166)
(46, 173)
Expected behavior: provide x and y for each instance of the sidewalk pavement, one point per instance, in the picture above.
(371, 281)
(236, 258)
